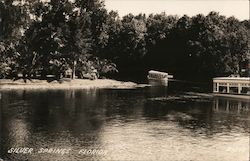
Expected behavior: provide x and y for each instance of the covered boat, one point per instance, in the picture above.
(158, 78)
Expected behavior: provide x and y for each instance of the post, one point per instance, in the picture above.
(228, 88)
(239, 88)
(74, 70)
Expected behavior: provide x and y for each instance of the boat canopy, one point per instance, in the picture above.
(157, 74)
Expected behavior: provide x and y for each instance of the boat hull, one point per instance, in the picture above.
(158, 82)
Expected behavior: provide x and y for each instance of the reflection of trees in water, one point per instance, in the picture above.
(55, 119)
(16, 133)
(156, 91)
(76, 118)
(123, 105)
(234, 113)
(201, 117)
(1, 124)
(71, 110)
(14, 128)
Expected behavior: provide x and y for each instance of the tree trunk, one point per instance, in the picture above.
(74, 70)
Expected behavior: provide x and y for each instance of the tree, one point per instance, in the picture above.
(158, 40)
(132, 35)
(61, 37)
(205, 48)
(14, 19)
(113, 46)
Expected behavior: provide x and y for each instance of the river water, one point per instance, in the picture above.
(122, 124)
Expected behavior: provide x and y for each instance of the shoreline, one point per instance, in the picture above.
(7, 84)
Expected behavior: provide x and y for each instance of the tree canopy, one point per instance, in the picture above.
(39, 38)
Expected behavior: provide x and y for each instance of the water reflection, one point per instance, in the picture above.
(229, 105)
(125, 123)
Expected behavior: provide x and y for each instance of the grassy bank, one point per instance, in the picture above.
(65, 84)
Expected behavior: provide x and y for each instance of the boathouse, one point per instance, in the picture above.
(232, 85)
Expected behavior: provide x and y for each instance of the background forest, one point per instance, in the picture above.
(39, 38)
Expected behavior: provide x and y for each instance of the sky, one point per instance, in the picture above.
(236, 8)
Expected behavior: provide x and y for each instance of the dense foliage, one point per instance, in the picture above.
(60, 36)
(39, 38)
(196, 48)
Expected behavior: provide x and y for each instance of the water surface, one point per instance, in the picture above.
(127, 124)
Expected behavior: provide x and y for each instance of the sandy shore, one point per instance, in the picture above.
(6, 84)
